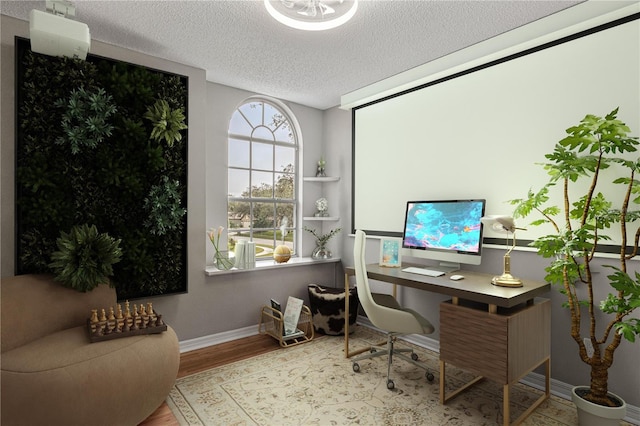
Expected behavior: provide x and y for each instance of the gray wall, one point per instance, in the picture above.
(230, 302)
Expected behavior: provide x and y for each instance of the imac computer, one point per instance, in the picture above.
(448, 231)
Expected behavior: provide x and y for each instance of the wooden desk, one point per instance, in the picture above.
(511, 336)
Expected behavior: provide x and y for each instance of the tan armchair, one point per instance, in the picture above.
(53, 375)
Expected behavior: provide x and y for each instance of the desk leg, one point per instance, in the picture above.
(443, 397)
(506, 416)
(346, 316)
(442, 381)
(537, 402)
(506, 393)
(547, 379)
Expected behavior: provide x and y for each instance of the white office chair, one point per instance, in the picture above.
(385, 313)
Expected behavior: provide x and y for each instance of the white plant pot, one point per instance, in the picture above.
(590, 414)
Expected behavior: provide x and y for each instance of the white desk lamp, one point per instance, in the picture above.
(504, 225)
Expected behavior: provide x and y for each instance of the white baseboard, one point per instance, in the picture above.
(216, 339)
(535, 380)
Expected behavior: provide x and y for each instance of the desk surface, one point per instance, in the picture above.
(475, 286)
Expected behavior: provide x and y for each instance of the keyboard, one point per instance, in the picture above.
(422, 271)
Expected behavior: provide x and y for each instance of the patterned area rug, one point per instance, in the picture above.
(314, 384)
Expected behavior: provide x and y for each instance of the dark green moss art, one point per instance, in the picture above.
(103, 143)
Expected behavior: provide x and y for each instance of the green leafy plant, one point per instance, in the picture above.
(163, 205)
(321, 240)
(594, 145)
(84, 258)
(86, 118)
(167, 122)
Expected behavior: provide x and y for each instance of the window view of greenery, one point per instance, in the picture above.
(262, 174)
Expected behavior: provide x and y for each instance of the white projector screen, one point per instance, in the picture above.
(480, 134)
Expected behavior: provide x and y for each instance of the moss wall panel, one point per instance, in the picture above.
(102, 142)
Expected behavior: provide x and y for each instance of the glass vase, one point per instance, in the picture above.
(222, 261)
(321, 252)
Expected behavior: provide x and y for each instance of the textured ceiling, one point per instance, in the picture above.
(240, 45)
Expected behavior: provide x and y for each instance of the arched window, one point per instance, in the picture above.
(263, 163)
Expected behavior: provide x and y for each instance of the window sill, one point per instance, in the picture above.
(262, 265)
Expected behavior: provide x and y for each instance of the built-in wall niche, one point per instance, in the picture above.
(102, 142)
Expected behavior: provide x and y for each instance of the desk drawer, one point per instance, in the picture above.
(501, 347)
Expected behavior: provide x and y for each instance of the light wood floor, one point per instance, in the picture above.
(210, 357)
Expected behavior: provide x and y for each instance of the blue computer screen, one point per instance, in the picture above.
(446, 225)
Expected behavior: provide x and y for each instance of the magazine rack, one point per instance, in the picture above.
(271, 323)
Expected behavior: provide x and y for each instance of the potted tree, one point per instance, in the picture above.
(580, 225)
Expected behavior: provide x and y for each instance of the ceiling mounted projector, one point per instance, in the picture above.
(52, 33)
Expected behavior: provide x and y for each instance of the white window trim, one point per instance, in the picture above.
(295, 127)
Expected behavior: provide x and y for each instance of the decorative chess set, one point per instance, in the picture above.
(116, 323)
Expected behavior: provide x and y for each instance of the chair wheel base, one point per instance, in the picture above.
(390, 385)
(356, 367)
(429, 376)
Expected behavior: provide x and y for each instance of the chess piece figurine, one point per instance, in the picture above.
(144, 318)
(135, 319)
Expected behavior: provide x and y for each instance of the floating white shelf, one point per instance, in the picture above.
(321, 179)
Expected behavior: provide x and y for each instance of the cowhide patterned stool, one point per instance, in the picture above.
(327, 309)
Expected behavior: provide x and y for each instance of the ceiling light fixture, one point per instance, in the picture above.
(312, 15)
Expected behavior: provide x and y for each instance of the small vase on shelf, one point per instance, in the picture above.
(222, 260)
(321, 165)
(321, 252)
